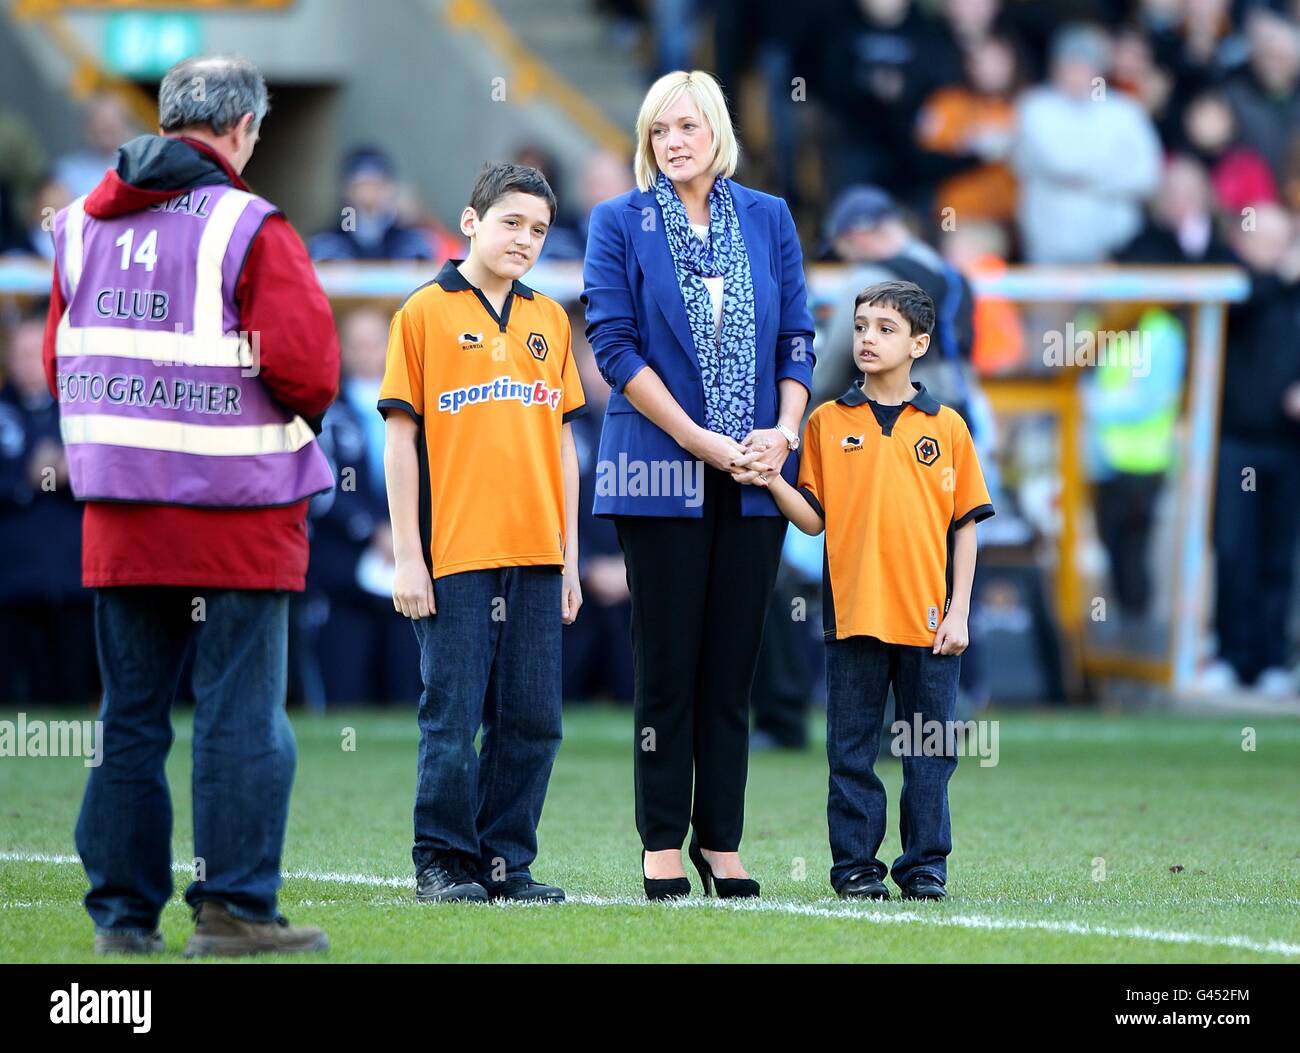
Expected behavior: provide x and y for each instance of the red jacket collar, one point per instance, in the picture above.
(236, 181)
(113, 196)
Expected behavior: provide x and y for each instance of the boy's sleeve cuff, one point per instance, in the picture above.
(976, 515)
(401, 404)
(577, 411)
(811, 498)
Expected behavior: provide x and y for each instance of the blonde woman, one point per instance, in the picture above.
(697, 314)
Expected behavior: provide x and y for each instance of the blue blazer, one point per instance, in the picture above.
(636, 317)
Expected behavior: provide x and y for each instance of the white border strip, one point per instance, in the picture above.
(792, 908)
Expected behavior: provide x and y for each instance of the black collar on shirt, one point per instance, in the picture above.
(922, 400)
(453, 281)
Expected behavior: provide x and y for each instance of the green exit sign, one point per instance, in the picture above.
(147, 44)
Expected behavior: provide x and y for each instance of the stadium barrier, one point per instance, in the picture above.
(1050, 392)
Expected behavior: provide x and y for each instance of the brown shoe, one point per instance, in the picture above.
(218, 933)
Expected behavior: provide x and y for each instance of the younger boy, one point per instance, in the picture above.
(482, 478)
(892, 477)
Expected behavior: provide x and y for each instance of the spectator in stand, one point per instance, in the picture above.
(1131, 402)
(772, 40)
(1180, 226)
(12, 239)
(411, 211)
(1135, 71)
(107, 127)
(1193, 39)
(45, 615)
(1256, 514)
(34, 238)
(968, 23)
(865, 228)
(597, 653)
(980, 249)
(564, 241)
(1238, 173)
(604, 175)
(1265, 96)
(973, 125)
(22, 163)
(1087, 157)
(369, 227)
(879, 61)
(362, 652)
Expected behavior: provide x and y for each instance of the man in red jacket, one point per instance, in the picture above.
(193, 353)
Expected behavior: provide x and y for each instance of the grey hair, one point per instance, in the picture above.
(215, 90)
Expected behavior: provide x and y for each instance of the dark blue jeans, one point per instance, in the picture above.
(244, 752)
(489, 658)
(859, 670)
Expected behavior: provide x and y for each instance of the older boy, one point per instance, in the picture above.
(482, 481)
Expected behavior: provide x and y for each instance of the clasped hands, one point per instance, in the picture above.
(761, 453)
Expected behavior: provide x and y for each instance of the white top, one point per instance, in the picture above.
(714, 285)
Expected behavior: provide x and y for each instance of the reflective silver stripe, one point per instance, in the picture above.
(239, 440)
(209, 310)
(162, 348)
(73, 256)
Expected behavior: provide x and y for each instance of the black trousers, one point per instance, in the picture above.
(700, 591)
(1255, 533)
(1126, 506)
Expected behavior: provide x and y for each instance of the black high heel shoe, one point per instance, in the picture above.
(727, 888)
(664, 888)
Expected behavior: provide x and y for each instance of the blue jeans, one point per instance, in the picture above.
(244, 752)
(859, 670)
(489, 658)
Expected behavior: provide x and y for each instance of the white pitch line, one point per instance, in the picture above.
(789, 907)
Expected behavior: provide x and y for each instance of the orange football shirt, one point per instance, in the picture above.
(491, 394)
(892, 495)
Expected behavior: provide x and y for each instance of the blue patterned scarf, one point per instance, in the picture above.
(727, 365)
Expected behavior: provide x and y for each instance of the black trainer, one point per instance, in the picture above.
(924, 886)
(448, 880)
(129, 942)
(525, 889)
(864, 886)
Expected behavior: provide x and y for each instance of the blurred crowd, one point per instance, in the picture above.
(940, 142)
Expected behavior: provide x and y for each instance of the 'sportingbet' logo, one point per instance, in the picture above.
(503, 389)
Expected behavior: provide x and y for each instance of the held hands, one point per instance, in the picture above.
(765, 453)
(761, 453)
(715, 449)
(953, 637)
(755, 461)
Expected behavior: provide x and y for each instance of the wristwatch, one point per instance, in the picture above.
(791, 437)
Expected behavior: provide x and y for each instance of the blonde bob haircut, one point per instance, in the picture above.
(707, 95)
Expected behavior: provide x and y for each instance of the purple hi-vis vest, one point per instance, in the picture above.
(159, 398)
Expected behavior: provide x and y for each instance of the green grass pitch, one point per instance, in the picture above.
(1200, 841)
